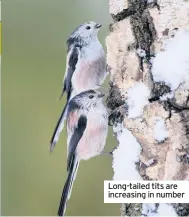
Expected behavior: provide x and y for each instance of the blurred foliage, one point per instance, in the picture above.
(34, 34)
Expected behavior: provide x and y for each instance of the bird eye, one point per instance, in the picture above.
(88, 27)
(91, 96)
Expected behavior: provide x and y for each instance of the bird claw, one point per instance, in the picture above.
(109, 153)
(106, 153)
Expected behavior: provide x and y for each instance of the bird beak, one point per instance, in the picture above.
(98, 25)
(100, 95)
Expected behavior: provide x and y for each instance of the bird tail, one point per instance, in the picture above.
(68, 187)
(63, 89)
(62, 93)
(59, 127)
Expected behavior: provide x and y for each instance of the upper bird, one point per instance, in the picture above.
(85, 67)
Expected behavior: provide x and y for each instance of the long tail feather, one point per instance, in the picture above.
(59, 127)
(62, 93)
(63, 89)
(68, 187)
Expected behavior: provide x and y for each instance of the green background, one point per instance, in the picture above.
(33, 63)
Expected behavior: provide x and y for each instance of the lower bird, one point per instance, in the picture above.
(87, 129)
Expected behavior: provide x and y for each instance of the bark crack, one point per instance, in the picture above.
(134, 6)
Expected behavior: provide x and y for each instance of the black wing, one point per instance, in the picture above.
(72, 62)
(69, 107)
(78, 133)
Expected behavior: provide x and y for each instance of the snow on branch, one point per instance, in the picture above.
(150, 209)
(172, 65)
(167, 96)
(138, 96)
(125, 156)
(160, 131)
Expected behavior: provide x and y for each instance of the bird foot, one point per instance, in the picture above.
(108, 153)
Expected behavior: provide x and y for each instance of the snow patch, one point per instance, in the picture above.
(138, 96)
(150, 1)
(125, 155)
(172, 65)
(160, 131)
(150, 209)
(167, 96)
(166, 210)
(141, 52)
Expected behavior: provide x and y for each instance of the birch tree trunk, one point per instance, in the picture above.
(137, 36)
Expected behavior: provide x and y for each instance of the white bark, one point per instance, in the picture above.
(139, 32)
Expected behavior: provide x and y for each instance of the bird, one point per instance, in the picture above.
(85, 67)
(87, 129)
